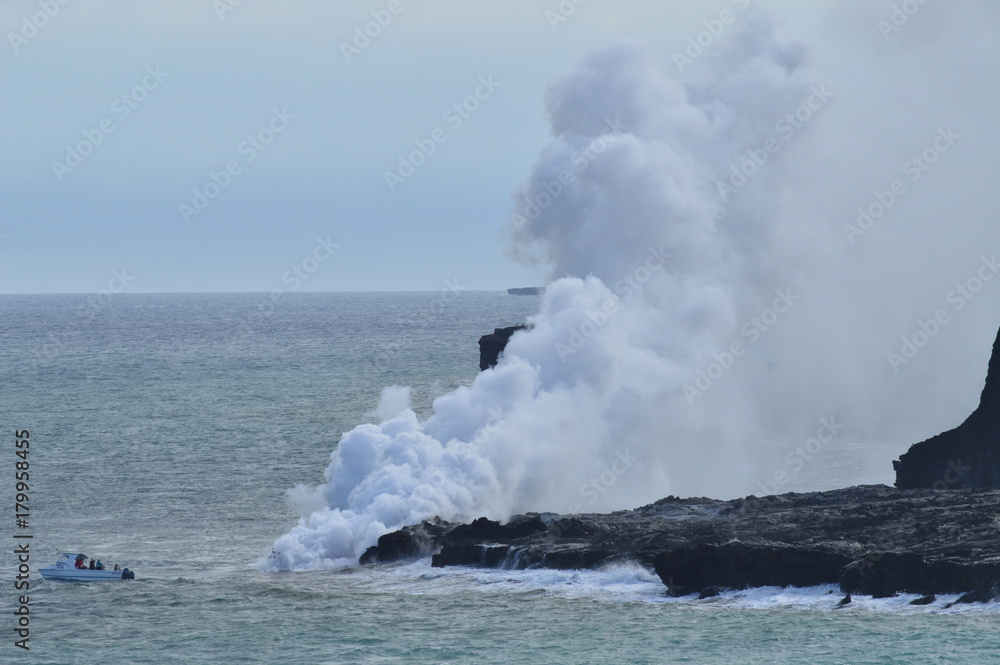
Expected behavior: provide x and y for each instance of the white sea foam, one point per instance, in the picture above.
(633, 583)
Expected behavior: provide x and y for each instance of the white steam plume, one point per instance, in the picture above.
(629, 386)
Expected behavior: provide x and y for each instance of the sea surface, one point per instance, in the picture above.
(165, 431)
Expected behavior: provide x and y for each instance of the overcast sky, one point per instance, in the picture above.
(194, 145)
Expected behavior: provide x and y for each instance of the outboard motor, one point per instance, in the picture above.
(128, 574)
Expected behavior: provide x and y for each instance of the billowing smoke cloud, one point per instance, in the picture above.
(701, 320)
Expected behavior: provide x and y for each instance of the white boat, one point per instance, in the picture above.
(65, 569)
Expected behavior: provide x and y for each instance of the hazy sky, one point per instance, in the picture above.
(119, 116)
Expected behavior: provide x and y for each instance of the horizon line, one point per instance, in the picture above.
(222, 293)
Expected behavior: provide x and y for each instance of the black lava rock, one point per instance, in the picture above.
(964, 457)
(408, 543)
(491, 346)
(740, 565)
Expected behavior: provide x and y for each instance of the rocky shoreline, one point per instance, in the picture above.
(871, 540)
(937, 531)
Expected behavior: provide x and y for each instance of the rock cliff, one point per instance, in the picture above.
(965, 457)
(491, 346)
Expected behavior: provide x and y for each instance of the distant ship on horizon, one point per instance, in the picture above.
(526, 291)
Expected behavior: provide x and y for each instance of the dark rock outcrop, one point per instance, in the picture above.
(884, 574)
(739, 565)
(491, 346)
(483, 529)
(408, 543)
(983, 595)
(964, 457)
(871, 540)
(469, 554)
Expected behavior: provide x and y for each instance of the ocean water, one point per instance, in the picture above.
(166, 429)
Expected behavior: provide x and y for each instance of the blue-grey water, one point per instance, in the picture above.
(166, 429)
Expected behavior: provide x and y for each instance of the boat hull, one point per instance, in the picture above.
(78, 575)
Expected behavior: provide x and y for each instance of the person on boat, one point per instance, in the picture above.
(117, 567)
(99, 565)
(92, 565)
(79, 563)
